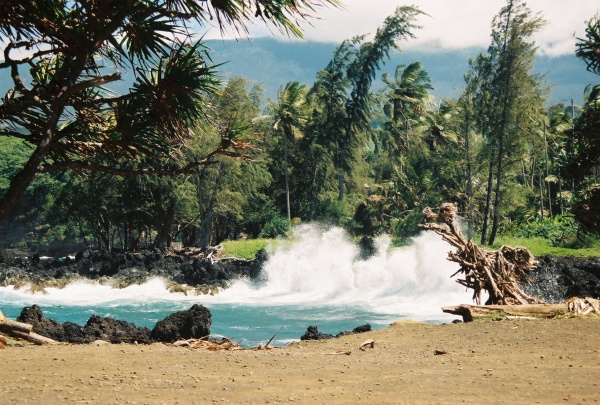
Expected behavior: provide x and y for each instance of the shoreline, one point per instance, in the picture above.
(517, 361)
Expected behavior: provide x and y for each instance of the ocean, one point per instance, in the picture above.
(318, 280)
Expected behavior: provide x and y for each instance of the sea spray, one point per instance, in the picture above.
(319, 279)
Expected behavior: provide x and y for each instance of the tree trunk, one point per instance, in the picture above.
(22, 180)
(547, 171)
(488, 200)
(34, 338)
(9, 325)
(22, 330)
(166, 227)
(471, 312)
(541, 196)
(469, 177)
(203, 238)
(496, 208)
(287, 180)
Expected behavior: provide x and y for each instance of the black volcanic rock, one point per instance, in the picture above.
(359, 329)
(559, 278)
(108, 329)
(312, 333)
(191, 324)
(33, 315)
(115, 331)
(131, 268)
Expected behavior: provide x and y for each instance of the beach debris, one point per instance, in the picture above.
(207, 344)
(441, 352)
(367, 343)
(583, 306)
(346, 352)
(100, 342)
(572, 307)
(496, 273)
(3, 342)
(260, 347)
(22, 331)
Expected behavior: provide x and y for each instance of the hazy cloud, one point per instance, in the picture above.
(451, 24)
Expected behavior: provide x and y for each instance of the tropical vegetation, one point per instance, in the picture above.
(185, 159)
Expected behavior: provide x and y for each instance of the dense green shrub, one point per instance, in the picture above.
(558, 230)
(276, 226)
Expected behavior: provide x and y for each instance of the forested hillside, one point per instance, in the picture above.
(272, 62)
(171, 147)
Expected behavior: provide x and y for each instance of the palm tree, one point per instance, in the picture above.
(406, 98)
(72, 50)
(290, 113)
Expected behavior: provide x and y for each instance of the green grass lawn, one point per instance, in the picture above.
(541, 246)
(246, 249)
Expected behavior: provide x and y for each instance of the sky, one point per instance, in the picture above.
(451, 24)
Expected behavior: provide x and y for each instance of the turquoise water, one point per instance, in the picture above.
(317, 281)
(249, 325)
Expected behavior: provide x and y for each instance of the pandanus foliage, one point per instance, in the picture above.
(64, 57)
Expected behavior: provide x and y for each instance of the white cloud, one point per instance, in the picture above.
(452, 24)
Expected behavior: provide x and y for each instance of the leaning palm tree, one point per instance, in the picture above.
(407, 95)
(290, 113)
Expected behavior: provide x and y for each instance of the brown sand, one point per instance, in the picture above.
(504, 362)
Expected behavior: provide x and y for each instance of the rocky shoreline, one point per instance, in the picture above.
(184, 269)
(555, 280)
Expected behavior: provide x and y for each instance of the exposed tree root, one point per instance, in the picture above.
(496, 272)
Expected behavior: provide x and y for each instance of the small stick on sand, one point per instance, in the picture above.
(347, 353)
(367, 343)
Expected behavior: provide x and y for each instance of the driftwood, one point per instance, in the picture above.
(471, 312)
(572, 307)
(367, 343)
(8, 325)
(22, 331)
(496, 272)
(225, 344)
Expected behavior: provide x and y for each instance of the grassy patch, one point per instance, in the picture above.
(541, 246)
(247, 248)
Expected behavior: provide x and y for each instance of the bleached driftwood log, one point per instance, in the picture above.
(572, 307)
(9, 325)
(496, 272)
(22, 331)
(471, 312)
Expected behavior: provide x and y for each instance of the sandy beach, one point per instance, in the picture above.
(510, 361)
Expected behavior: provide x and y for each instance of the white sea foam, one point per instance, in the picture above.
(322, 268)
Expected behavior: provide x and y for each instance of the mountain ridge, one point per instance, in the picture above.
(274, 62)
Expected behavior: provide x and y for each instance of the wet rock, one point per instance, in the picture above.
(359, 329)
(74, 333)
(312, 333)
(194, 323)
(367, 247)
(132, 268)
(33, 315)
(115, 331)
